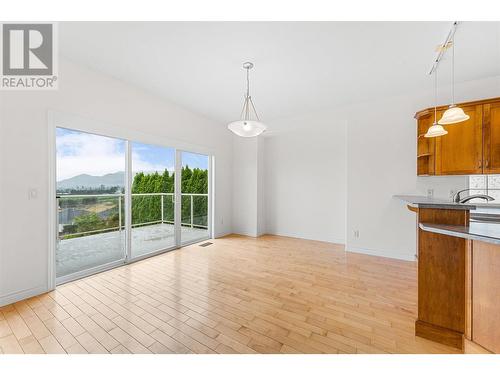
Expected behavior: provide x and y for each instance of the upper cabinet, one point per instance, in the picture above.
(470, 147)
(491, 145)
(461, 150)
(425, 147)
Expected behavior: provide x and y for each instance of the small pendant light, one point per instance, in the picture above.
(435, 130)
(246, 126)
(453, 114)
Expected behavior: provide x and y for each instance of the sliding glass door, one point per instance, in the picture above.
(90, 195)
(153, 214)
(120, 200)
(194, 197)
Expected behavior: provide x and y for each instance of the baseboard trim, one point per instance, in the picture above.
(470, 347)
(334, 241)
(380, 253)
(21, 295)
(246, 234)
(223, 234)
(439, 334)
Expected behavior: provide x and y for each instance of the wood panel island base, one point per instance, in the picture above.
(442, 279)
(458, 278)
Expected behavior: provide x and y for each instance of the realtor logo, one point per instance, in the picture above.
(28, 56)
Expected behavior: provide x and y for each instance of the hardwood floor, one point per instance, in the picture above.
(239, 295)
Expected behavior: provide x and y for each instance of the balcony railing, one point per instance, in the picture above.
(103, 213)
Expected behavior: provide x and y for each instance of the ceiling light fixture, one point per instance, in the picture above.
(248, 125)
(435, 130)
(453, 114)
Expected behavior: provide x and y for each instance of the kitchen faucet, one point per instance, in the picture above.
(457, 199)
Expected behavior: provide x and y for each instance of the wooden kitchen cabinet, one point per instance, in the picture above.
(491, 130)
(461, 150)
(470, 147)
(442, 279)
(425, 147)
(458, 282)
(485, 295)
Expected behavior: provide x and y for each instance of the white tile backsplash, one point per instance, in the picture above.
(477, 182)
(485, 184)
(494, 181)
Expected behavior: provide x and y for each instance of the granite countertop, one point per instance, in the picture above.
(486, 232)
(426, 202)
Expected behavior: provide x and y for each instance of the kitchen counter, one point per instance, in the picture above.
(459, 281)
(486, 232)
(426, 202)
(454, 239)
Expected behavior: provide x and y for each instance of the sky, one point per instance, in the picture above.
(85, 153)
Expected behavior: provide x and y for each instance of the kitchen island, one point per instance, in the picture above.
(458, 275)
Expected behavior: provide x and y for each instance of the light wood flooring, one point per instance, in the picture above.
(240, 295)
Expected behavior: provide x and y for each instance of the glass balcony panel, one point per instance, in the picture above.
(91, 232)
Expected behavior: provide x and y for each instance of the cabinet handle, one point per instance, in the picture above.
(487, 163)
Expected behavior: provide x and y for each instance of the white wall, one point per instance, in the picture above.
(305, 178)
(24, 160)
(309, 174)
(261, 193)
(246, 187)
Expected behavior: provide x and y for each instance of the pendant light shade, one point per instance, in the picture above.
(453, 115)
(249, 124)
(435, 130)
(248, 128)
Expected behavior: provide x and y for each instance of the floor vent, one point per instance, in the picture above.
(205, 244)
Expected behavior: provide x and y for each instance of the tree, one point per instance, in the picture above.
(147, 209)
(89, 222)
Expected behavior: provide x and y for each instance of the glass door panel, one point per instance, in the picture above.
(90, 174)
(194, 197)
(100, 219)
(152, 197)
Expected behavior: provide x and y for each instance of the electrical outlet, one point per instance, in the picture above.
(430, 193)
(32, 194)
(356, 233)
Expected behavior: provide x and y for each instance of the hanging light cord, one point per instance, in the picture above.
(248, 94)
(244, 110)
(248, 102)
(453, 71)
(248, 82)
(435, 95)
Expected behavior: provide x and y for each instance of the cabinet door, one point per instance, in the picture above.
(485, 293)
(491, 116)
(461, 150)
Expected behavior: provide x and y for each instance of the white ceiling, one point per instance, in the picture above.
(299, 66)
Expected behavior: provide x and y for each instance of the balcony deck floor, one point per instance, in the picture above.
(83, 253)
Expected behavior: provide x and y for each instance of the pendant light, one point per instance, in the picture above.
(248, 125)
(453, 114)
(435, 130)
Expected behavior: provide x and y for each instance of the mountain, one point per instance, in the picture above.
(92, 182)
